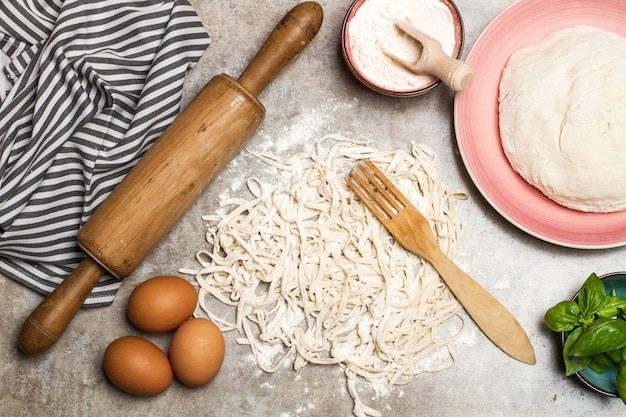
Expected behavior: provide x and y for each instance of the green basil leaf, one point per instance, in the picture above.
(573, 364)
(612, 306)
(601, 336)
(591, 295)
(621, 381)
(615, 355)
(563, 317)
(600, 363)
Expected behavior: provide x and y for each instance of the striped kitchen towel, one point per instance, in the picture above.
(86, 88)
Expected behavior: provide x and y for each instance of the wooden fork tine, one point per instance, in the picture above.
(376, 189)
(363, 189)
(391, 193)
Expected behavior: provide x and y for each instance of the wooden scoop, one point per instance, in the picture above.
(457, 75)
(169, 177)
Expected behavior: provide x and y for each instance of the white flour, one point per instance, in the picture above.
(372, 29)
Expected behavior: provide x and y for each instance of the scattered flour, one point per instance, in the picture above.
(504, 283)
(267, 385)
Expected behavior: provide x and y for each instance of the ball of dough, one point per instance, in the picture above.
(562, 117)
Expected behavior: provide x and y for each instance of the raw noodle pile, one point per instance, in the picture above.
(315, 278)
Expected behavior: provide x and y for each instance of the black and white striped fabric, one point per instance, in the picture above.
(88, 86)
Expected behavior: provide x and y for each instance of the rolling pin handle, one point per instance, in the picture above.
(292, 34)
(49, 320)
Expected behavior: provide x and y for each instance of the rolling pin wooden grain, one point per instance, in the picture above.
(169, 177)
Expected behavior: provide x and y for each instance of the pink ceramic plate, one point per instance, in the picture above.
(476, 123)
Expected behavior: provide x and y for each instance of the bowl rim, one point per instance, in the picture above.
(459, 34)
(581, 377)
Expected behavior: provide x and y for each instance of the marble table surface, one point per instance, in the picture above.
(314, 96)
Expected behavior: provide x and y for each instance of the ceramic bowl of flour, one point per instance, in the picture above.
(369, 28)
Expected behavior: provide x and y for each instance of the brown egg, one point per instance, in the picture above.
(197, 352)
(137, 366)
(161, 304)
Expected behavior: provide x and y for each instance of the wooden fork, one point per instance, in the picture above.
(412, 230)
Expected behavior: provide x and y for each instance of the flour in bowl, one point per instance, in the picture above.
(372, 29)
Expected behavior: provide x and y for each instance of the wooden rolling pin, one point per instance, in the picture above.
(169, 177)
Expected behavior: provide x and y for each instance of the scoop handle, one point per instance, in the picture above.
(49, 320)
(456, 74)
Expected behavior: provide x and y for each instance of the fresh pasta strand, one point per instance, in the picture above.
(311, 271)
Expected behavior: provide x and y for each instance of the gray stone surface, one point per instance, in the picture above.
(317, 95)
